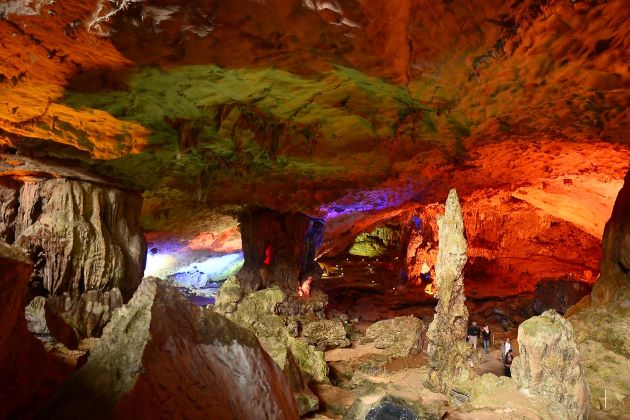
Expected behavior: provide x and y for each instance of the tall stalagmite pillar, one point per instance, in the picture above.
(448, 352)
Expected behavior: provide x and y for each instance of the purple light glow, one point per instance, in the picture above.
(363, 201)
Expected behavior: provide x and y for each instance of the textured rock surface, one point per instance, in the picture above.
(512, 245)
(549, 364)
(493, 397)
(279, 248)
(28, 373)
(448, 353)
(602, 320)
(163, 357)
(399, 337)
(301, 362)
(325, 334)
(85, 241)
(41, 321)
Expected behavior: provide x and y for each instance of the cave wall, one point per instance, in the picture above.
(512, 246)
(84, 239)
(614, 281)
(279, 248)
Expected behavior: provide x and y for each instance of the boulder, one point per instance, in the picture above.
(164, 358)
(85, 242)
(448, 353)
(399, 337)
(549, 364)
(29, 374)
(325, 334)
(228, 296)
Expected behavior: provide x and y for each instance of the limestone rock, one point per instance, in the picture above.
(42, 322)
(559, 294)
(448, 353)
(614, 281)
(549, 363)
(28, 373)
(492, 397)
(310, 308)
(257, 312)
(163, 357)
(399, 337)
(326, 334)
(601, 321)
(228, 296)
(85, 242)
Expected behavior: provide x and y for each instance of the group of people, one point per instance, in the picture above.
(507, 354)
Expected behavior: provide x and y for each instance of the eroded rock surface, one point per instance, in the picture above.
(549, 364)
(602, 320)
(162, 357)
(302, 363)
(448, 353)
(399, 337)
(85, 242)
(28, 373)
(326, 334)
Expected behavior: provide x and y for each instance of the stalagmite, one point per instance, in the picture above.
(448, 352)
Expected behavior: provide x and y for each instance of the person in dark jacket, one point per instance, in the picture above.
(485, 336)
(473, 334)
(507, 363)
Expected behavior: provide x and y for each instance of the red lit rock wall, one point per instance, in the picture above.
(27, 373)
(512, 246)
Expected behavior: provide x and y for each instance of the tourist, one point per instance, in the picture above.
(507, 346)
(473, 334)
(304, 289)
(485, 335)
(507, 363)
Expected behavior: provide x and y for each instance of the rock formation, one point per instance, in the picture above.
(399, 337)
(448, 353)
(278, 248)
(549, 364)
(85, 242)
(325, 334)
(162, 357)
(28, 373)
(512, 245)
(601, 321)
(259, 312)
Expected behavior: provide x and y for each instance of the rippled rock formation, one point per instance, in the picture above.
(448, 353)
(162, 357)
(85, 242)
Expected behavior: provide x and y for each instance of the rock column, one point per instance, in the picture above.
(278, 248)
(448, 352)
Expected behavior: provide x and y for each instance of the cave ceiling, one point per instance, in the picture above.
(319, 106)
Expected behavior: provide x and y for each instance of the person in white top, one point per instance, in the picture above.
(507, 346)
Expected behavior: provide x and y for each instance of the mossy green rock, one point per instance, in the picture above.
(549, 364)
(228, 296)
(326, 334)
(399, 337)
(374, 243)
